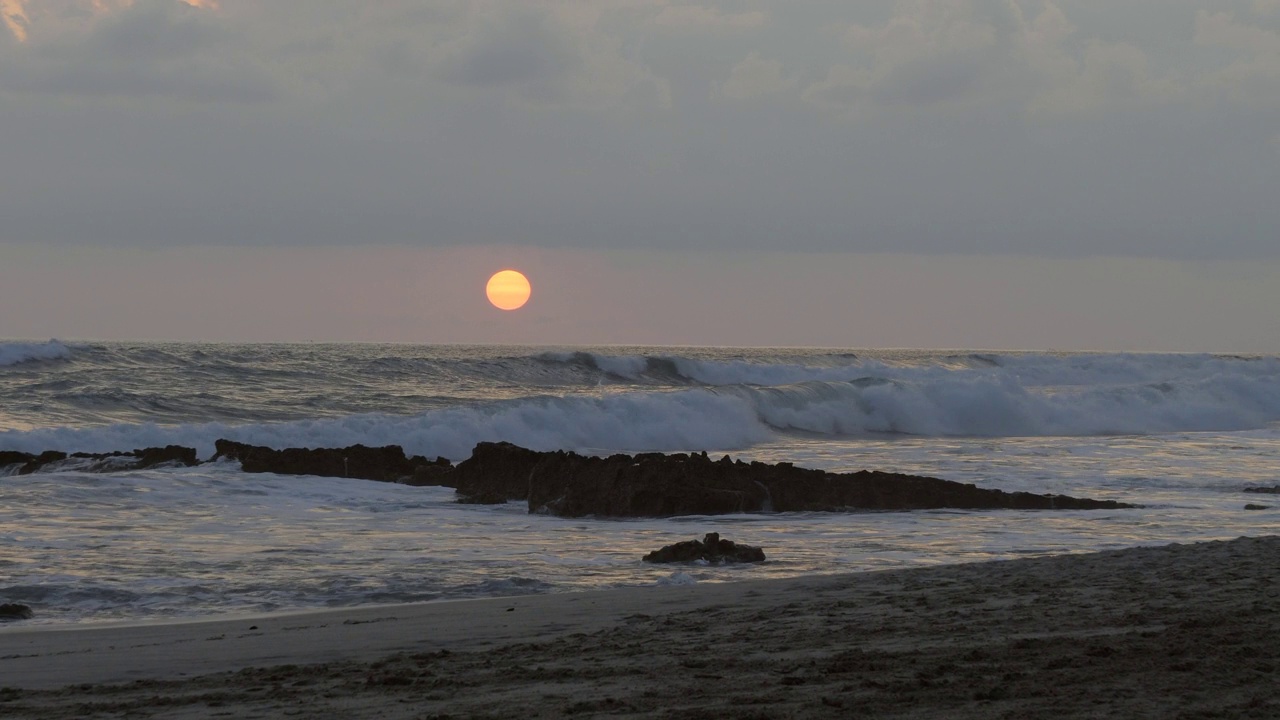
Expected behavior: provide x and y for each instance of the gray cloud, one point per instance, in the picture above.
(519, 48)
(156, 48)
(1065, 128)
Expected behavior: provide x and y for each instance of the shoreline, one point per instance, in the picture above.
(1136, 632)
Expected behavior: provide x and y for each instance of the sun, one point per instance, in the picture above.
(508, 290)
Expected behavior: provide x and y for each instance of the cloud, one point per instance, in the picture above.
(1253, 75)
(14, 15)
(928, 53)
(1060, 127)
(1109, 75)
(984, 54)
(537, 55)
(1220, 29)
(705, 17)
(517, 48)
(755, 76)
(157, 48)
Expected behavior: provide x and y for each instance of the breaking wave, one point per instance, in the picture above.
(14, 353)
(1009, 396)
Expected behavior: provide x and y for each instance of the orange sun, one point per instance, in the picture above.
(508, 290)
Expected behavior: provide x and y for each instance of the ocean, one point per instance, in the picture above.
(1182, 435)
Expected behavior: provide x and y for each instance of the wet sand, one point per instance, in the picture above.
(1184, 631)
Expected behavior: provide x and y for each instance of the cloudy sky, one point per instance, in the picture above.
(1074, 174)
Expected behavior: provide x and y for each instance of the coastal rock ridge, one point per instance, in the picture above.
(567, 484)
(656, 485)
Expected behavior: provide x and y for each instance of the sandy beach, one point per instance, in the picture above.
(1168, 632)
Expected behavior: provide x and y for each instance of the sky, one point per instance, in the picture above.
(1023, 174)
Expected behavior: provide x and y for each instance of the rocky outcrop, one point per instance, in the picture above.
(711, 549)
(13, 611)
(28, 463)
(99, 462)
(438, 473)
(1274, 490)
(387, 464)
(656, 485)
(498, 472)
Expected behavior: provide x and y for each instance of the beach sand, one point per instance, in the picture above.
(1184, 631)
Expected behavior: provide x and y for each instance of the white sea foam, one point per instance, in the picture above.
(677, 579)
(13, 353)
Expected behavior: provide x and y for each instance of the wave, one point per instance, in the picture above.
(1037, 371)
(684, 370)
(632, 421)
(1011, 398)
(997, 405)
(12, 353)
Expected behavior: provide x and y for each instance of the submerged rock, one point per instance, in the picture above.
(657, 485)
(711, 549)
(99, 462)
(14, 611)
(1264, 490)
(140, 459)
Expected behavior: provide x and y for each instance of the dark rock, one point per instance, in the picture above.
(711, 548)
(13, 457)
(496, 473)
(30, 463)
(657, 485)
(172, 454)
(1275, 490)
(1251, 506)
(12, 611)
(387, 464)
(12, 461)
(439, 472)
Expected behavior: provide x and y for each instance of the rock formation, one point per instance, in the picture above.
(13, 611)
(656, 485)
(571, 485)
(27, 462)
(711, 549)
(388, 464)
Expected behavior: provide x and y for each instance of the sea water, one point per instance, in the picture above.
(1182, 435)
